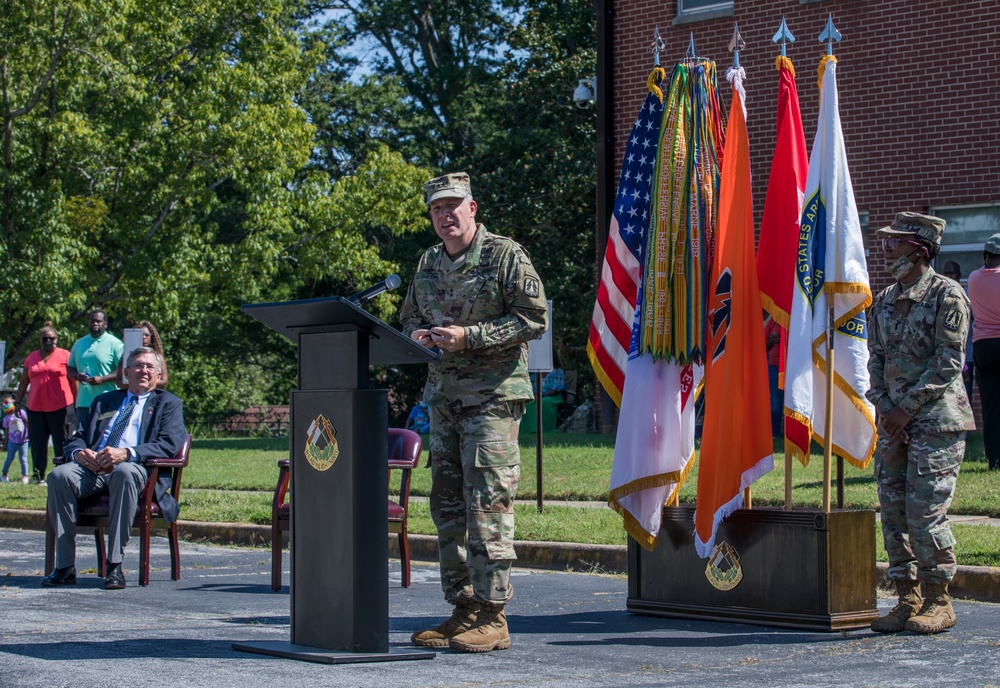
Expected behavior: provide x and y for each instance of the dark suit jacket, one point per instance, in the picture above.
(161, 434)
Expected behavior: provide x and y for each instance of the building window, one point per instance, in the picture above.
(693, 6)
(968, 229)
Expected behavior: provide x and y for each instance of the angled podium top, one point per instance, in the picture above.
(387, 345)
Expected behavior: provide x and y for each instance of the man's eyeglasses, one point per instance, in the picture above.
(142, 367)
(49, 339)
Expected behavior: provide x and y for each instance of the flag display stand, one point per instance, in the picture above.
(804, 569)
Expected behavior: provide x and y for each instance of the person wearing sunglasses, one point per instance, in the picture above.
(51, 413)
(916, 341)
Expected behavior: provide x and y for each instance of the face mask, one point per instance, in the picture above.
(901, 267)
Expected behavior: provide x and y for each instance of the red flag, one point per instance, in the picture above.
(779, 230)
(736, 444)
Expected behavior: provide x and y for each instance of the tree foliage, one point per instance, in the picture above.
(537, 166)
(483, 86)
(155, 165)
(173, 160)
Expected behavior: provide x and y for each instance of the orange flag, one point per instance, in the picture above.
(736, 444)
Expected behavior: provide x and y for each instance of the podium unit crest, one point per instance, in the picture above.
(321, 443)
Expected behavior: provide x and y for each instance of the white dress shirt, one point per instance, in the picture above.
(130, 438)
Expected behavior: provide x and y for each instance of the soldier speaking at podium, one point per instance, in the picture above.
(476, 297)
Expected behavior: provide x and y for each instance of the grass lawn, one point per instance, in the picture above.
(232, 479)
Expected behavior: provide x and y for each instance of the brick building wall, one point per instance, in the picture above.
(917, 80)
(919, 99)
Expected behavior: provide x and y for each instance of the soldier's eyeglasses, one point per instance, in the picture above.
(890, 243)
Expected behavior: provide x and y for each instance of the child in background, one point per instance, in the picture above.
(15, 437)
(420, 418)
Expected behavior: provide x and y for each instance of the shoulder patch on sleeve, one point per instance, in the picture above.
(953, 320)
(531, 286)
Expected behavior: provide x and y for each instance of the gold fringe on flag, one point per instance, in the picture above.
(653, 82)
(822, 68)
(783, 61)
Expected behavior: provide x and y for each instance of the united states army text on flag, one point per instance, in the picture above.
(831, 270)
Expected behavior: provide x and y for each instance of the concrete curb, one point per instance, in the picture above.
(981, 583)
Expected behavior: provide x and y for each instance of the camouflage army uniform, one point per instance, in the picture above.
(917, 351)
(476, 397)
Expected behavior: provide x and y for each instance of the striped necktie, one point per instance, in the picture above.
(121, 422)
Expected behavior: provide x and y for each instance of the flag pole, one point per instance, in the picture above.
(829, 35)
(736, 44)
(783, 37)
(828, 421)
(539, 496)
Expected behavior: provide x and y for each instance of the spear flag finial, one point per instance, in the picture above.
(830, 34)
(736, 44)
(784, 36)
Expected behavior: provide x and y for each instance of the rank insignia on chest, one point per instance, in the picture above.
(953, 321)
(531, 286)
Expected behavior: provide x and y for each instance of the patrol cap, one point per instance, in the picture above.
(454, 185)
(926, 226)
(992, 244)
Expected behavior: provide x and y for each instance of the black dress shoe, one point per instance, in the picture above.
(115, 580)
(64, 576)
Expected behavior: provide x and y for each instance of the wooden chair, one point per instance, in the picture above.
(280, 521)
(92, 512)
(404, 455)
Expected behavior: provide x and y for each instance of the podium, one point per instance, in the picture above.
(339, 455)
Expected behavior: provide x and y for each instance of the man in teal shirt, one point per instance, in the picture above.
(93, 361)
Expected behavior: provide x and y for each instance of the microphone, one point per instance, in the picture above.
(389, 283)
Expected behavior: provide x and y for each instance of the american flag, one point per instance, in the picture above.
(621, 274)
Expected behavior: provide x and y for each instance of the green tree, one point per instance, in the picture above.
(429, 64)
(155, 164)
(537, 163)
(482, 86)
(122, 122)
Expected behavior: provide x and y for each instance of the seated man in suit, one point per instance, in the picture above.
(106, 454)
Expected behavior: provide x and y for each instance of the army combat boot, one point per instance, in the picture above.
(487, 634)
(909, 604)
(461, 620)
(936, 614)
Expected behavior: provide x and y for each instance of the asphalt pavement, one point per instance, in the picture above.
(567, 628)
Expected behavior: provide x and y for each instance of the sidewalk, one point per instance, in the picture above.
(971, 582)
(567, 629)
(954, 518)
